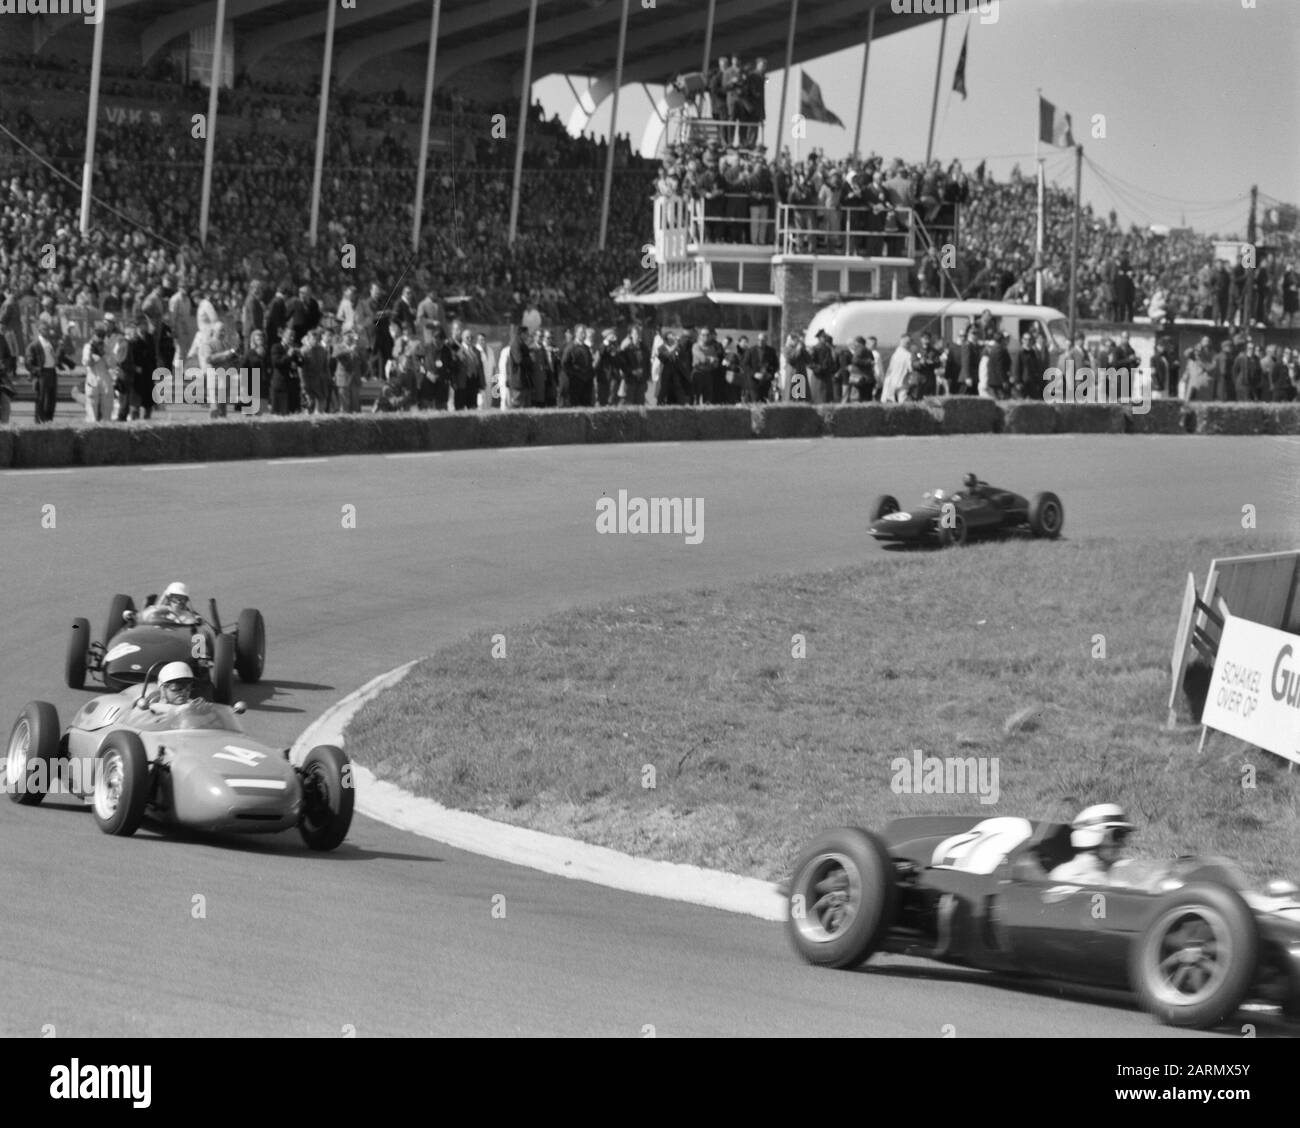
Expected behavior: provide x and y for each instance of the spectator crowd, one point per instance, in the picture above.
(142, 293)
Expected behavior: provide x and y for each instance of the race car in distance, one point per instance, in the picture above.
(136, 641)
(1189, 938)
(950, 517)
(134, 756)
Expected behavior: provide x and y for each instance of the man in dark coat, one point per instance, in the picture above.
(823, 365)
(577, 365)
(761, 367)
(1248, 376)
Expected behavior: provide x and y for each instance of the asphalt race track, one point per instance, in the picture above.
(394, 934)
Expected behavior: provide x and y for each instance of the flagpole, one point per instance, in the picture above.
(92, 121)
(934, 102)
(785, 78)
(205, 196)
(1042, 203)
(862, 93)
(1074, 243)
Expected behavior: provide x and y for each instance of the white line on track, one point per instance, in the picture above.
(294, 461)
(67, 471)
(174, 466)
(418, 454)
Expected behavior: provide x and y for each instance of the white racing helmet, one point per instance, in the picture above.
(1102, 822)
(176, 592)
(169, 678)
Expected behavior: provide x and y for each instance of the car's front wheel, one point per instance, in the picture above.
(223, 670)
(842, 898)
(250, 645)
(31, 754)
(74, 667)
(883, 506)
(328, 797)
(116, 609)
(1194, 963)
(121, 790)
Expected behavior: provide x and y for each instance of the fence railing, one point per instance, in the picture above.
(809, 229)
(688, 130)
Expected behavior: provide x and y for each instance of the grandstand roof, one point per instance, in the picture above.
(486, 37)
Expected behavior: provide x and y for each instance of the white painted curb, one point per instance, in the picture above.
(565, 857)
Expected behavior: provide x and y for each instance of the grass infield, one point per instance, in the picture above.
(990, 651)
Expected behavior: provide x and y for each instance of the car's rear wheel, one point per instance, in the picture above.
(250, 645)
(842, 898)
(74, 666)
(1194, 963)
(328, 797)
(223, 670)
(954, 534)
(31, 754)
(1046, 515)
(883, 506)
(121, 790)
(119, 606)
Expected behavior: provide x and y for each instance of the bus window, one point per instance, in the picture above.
(924, 323)
(957, 326)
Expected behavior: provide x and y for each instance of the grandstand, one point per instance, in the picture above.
(513, 211)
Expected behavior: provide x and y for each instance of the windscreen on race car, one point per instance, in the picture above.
(202, 714)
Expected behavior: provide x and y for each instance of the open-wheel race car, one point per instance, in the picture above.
(951, 517)
(135, 756)
(136, 641)
(1188, 938)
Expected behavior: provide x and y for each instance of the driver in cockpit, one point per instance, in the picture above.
(172, 607)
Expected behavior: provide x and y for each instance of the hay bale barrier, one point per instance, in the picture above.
(853, 420)
(1028, 417)
(239, 437)
(1166, 417)
(563, 426)
(910, 419)
(786, 421)
(103, 445)
(44, 447)
(1247, 418)
(966, 415)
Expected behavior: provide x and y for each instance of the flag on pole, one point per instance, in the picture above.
(959, 78)
(1054, 126)
(811, 105)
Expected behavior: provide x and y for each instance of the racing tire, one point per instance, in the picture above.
(884, 505)
(119, 604)
(1046, 516)
(223, 670)
(121, 790)
(328, 797)
(74, 666)
(1194, 963)
(954, 537)
(250, 645)
(842, 898)
(32, 749)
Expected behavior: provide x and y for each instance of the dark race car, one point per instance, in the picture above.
(134, 757)
(952, 516)
(1189, 938)
(135, 642)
